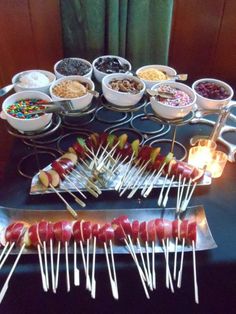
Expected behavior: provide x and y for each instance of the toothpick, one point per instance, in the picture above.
(162, 189)
(52, 266)
(147, 182)
(148, 265)
(88, 283)
(175, 258)
(46, 263)
(181, 265)
(195, 274)
(112, 281)
(58, 263)
(165, 200)
(4, 249)
(93, 288)
(184, 204)
(157, 176)
(74, 185)
(153, 266)
(44, 283)
(167, 266)
(6, 255)
(5, 286)
(143, 262)
(67, 268)
(76, 269)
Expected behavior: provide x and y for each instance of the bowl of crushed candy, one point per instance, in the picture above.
(74, 88)
(212, 94)
(18, 109)
(110, 64)
(178, 105)
(123, 90)
(153, 74)
(73, 66)
(33, 80)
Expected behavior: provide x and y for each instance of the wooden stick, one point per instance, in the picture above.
(45, 263)
(147, 182)
(58, 263)
(148, 265)
(185, 203)
(44, 282)
(76, 270)
(167, 266)
(162, 190)
(157, 176)
(67, 267)
(195, 274)
(114, 269)
(143, 262)
(165, 200)
(88, 284)
(153, 266)
(112, 282)
(52, 266)
(68, 207)
(175, 258)
(181, 265)
(74, 185)
(4, 249)
(6, 255)
(5, 286)
(93, 288)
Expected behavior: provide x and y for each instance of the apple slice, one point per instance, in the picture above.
(155, 152)
(77, 230)
(33, 234)
(176, 228)
(59, 168)
(151, 229)
(145, 153)
(73, 157)
(124, 222)
(122, 140)
(184, 229)
(112, 140)
(106, 233)
(192, 232)
(87, 230)
(14, 232)
(95, 230)
(135, 147)
(103, 138)
(158, 162)
(159, 229)
(167, 224)
(143, 231)
(67, 162)
(55, 178)
(135, 230)
(45, 178)
(62, 231)
(77, 149)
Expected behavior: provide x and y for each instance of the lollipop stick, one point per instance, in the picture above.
(52, 266)
(181, 265)
(45, 263)
(195, 273)
(88, 285)
(93, 289)
(58, 263)
(5, 287)
(143, 262)
(8, 252)
(44, 283)
(76, 270)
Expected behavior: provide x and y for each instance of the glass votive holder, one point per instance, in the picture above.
(206, 143)
(199, 156)
(217, 164)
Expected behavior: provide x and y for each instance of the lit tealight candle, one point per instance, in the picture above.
(200, 156)
(217, 165)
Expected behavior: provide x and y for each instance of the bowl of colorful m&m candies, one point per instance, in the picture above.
(212, 94)
(24, 111)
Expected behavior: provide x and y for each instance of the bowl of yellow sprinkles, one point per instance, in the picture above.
(153, 74)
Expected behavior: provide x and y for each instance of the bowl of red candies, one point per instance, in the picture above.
(212, 94)
(21, 110)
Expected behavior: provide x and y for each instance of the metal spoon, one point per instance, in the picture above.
(179, 77)
(6, 89)
(153, 92)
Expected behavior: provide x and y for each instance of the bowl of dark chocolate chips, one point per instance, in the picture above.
(73, 66)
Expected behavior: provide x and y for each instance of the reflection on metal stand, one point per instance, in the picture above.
(174, 123)
(38, 142)
(220, 127)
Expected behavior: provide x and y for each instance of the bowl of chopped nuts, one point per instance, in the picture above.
(153, 74)
(73, 66)
(212, 94)
(74, 88)
(123, 90)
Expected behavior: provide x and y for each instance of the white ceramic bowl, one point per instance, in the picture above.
(43, 89)
(79, 103)
(212, 104)
(170, 112)
(99, 75)
(88, 74)
(149, 83)
(26, 125)
(121, 99)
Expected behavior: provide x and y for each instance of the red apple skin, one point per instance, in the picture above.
(124, 222)
(143, 231)
(103, 139)
(144, 153)
(77, 231)
(135, 230)
(176, 228)
(34, 235)
(17, 232)
(59, 168)
(192, 232)
(125, 151)
(68, 163)
(167, 228)
(106, 233)
(187, 172)
(50, 235)
(62, 231)
(179, 168)
(159, 229)
(78, 149)
(45, 231)
(120, 235)
(101, 234)
(158, 162)
(8, 232)
(151, 230)
(95, 230)
(87, 230)
(184, 229)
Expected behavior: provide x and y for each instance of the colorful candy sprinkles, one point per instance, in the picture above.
(179, 99)
(24, 108)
